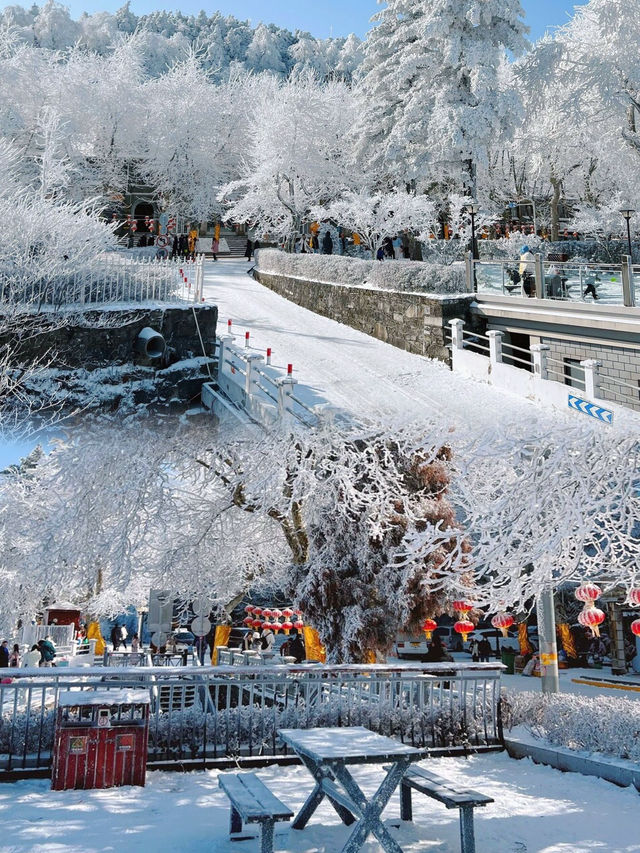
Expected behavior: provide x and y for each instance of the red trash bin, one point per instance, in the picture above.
(100, 739)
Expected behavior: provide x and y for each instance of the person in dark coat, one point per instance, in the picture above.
(249, 250)
(437, 652)
(296, 646)
(116, 637)
(4, 654)
(484, 650)
(327, 244)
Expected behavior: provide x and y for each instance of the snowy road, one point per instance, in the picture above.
(536, 810)
(355, 372)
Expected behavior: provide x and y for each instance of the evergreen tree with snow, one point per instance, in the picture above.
(430, 87)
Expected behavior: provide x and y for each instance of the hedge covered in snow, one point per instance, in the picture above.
(403, 276)
(607, 725)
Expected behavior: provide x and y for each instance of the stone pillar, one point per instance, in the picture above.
(540, 354)
(539, 273)
(495, 346)
(591, 377)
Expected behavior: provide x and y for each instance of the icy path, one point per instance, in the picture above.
(353, 371)
(537, 810)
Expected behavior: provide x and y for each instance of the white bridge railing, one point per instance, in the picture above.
(264, 391)
(207, 716)
(111, 279)
(535, 374)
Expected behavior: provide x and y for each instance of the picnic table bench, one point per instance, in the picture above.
(451, 795)
(252, 802)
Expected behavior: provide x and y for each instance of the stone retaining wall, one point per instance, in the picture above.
(415, 322)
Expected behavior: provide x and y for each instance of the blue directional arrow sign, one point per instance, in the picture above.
(590, 409)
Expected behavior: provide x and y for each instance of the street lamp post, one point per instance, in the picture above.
(472, 209)
(628, 212)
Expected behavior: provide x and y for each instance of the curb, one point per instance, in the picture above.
(616, 770)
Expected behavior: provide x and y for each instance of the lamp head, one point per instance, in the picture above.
(627, 212)
(472, 207)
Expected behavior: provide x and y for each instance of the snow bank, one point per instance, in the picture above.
(604, 724)
(404, 276)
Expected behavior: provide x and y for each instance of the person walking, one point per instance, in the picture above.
(123, 637)
(215, 248)
(14, 657)
(527, 271)
(327, 244)
(473, 648)
(484, 650)
(249, 249)
(135, 643)
(32, 657)
(115, 637)
(4, 654)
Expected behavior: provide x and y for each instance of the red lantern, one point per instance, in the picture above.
(286, 626)
(634, 597)
(588, 592)
(503, 621)
(249, 608)
(298, 613)
(299, 625)
(267, 613)
(429, 626)
(464, 627)
(287, 613)
(462, 606)
(276, 613)
(256, 623)
(257, 611)
(635, 627)
(248, 621)
(591, 618)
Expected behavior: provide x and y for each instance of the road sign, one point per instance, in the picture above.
(200, 626)
(590, 409)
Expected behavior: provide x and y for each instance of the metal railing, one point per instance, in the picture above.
(212, 716)
(585, 376)
(112, 279)
(607, 284)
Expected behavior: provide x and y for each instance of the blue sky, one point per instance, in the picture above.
(322, 18)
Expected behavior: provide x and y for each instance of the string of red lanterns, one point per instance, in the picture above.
(261, 618)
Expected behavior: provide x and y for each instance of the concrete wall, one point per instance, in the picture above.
(411, 321)
(86, 343)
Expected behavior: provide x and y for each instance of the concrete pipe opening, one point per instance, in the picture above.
(150, 343)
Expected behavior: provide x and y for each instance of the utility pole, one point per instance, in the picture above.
(548, 642)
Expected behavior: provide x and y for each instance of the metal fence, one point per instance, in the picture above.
(217, 716)
(606, 284)
(111, 279)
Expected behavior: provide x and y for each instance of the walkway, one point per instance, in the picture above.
(359, 374)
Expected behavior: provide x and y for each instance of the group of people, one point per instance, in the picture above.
(119, 637)
(264, 641)
(41, 653)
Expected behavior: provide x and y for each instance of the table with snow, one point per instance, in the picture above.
(326, 752)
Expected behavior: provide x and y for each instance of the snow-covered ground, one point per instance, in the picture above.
(537, 810)
(355, 372)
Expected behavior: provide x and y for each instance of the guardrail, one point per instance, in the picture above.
(258, 387)
(554, 377)
(609, 284)
(219, 716)
(112, 279)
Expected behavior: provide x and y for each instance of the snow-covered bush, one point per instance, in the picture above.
(406, 276)
(607, 725)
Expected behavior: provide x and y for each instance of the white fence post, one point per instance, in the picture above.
(251, 361)
(495, 346)
(540, 355)
(469, 277)
(224, 341)
(285, 390)
(591, 377)
(457, 327)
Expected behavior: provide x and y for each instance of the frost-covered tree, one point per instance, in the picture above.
(376, 217)
(431, 88)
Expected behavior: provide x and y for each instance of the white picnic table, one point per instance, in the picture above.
(326, 753)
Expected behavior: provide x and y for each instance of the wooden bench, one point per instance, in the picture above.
(252, 802)
(453, 796)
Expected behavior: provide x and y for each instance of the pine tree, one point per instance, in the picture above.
(430, 86)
